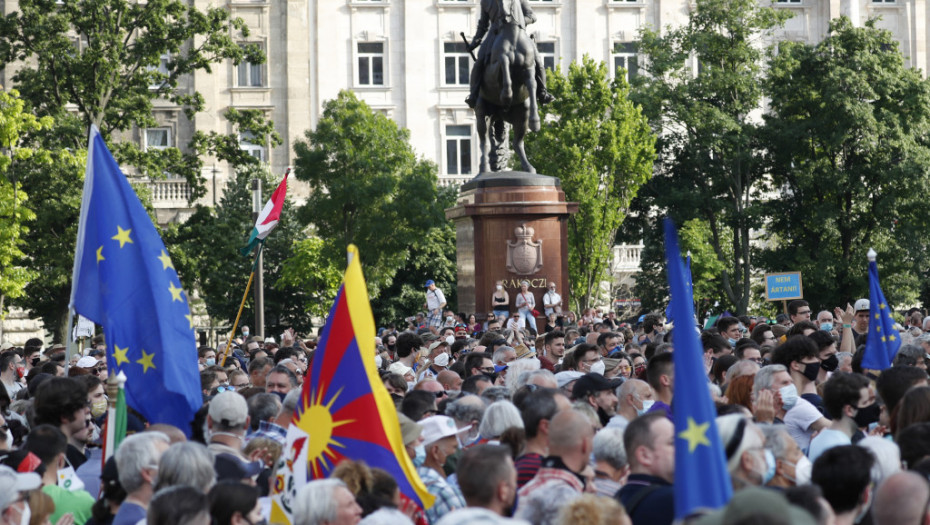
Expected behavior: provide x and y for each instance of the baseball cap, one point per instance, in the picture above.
(410, 430)
(230, 467)
(437, 343)
(438, 427)
(269, 340)
(229, 408)
(12, 483)
(590, 384)
(429, 282)
(6, 345)
(862, 304)
(87, 362)
(567, 376)
(399, 368)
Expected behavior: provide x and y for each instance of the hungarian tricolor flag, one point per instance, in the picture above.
(269, 216)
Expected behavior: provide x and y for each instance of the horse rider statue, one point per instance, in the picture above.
(492, 15)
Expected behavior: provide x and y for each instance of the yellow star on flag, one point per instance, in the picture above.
(100, 256)
(877, 316)
(122, 236)
(884, 340)
(892, 337)
(878, 328)
(146, 361)
(695, 434)
(881, 306)
(165, 261)
(175, 292)
(190, 319)
(120, 355)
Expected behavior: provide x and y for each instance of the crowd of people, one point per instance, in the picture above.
(503, 424)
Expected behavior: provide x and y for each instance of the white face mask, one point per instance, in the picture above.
(25, 515)
(499, 288)
(598, 367)
(802, 471)
(9, 439)
(647, 404)
(442, 360)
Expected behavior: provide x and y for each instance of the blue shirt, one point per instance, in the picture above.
(129, 514)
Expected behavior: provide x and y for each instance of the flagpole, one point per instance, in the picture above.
(245, 296)
(68, 339)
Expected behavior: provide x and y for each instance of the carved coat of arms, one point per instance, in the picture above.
(524, 256)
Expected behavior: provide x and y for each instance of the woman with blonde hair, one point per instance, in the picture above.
(593, 510)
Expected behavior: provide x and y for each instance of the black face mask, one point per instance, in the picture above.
(830, 364)
(865, 416)
(811, 370)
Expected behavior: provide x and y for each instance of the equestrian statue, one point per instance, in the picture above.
(507, 81)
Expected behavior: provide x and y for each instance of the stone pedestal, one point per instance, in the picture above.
(510, 226)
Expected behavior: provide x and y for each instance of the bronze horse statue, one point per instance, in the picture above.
(508, 90)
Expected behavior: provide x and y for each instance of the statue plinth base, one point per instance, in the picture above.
(493, 217)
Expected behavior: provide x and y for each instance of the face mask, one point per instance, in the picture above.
(769, 467)
(391, 347)
(420, 457)
(802, 471)
(499, 287)
(410, 385)
(281, 395)
(20, 370)
(598, 367)
(450, 339)
(211, 361)
(811, 370)
(830, 364)
(245, 334)
(9, 439)
(826, 327)
(25, 515)
(98, 408)
(867, 415)
(647, 404)
(789, 396)
(442, 360)
(731, 341)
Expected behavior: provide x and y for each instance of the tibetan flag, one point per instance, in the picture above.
(701, 477)
(269, 216)
(124, 281)
(883, 340)
(669, 315)
(344, 410)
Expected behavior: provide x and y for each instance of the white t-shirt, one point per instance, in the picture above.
(798, 422)
(434, 299)
(551, 298)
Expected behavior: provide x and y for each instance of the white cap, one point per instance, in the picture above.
(87, 362)
(269, 339)
(399, 368)
(565, 377)
(438, 427)
(861, 304)
(12, 483)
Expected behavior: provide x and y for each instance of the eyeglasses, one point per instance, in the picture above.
(487, 369)
(226, 388)
(625, 368)
(441, 393)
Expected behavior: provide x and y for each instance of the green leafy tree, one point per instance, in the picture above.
(14, 124)
(205, 252)
(599, 144)
(847, 140)
(100, 62)
(367, 188)
(709, 153)
(307, 270)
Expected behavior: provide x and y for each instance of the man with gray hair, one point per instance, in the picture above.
(889, 508)
(610, 464)
(467, 411)
(773, 384)
(263, 412)
(137, 463)
(635, 397)
(911, 355)
(741, 368)
(326, 502)
(227, 421)
(280, 380)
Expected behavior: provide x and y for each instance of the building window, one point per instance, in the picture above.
(457, 63)
(787, 1)
(251, 75)
(157, 138)
(883, 1)
(547, 52)
(624, 55)
(161, 72)
(250, 144)
(458, 150)
(371, 63)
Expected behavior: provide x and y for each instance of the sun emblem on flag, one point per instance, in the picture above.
(316, 420)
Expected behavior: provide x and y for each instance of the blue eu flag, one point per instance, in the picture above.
(669, 315)
(883, 340)
(701, 477)
(124, 280)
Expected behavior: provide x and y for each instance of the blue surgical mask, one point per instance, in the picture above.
(789, 396)
(826, 327)
(211, 361)
(732, 342)
(420, 457)
(769, 467)
(647, 404)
